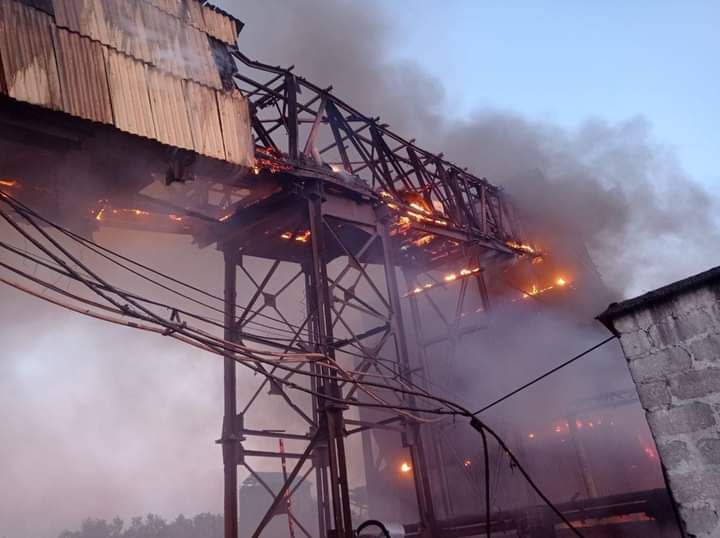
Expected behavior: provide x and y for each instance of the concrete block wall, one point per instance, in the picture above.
(673, 351)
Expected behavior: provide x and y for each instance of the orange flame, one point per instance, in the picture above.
(521, 246)
(303, 237)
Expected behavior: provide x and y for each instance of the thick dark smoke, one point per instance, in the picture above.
(100, 421)
(609, 186)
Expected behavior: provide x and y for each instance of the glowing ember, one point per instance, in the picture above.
(531, 436)
(100, 214)
(303, 237)
(405, 467)
(560, 282)
(467, 463)
(424, 240)
(521, 246)
(286, 235)
(175, 218)
(8, 182)
(450, 277)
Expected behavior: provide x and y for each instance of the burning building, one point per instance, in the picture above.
(357, 265)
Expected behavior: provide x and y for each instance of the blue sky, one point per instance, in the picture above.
(565, 62)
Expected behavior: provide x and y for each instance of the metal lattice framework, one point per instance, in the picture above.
(350, 213)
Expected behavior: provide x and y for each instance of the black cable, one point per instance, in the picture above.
(543, 376)
(480, 426)
(222, 349)
(373, 523)
(486, 463)
(99, 249)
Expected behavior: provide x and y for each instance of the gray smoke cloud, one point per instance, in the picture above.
(612, 187)
(100, 421)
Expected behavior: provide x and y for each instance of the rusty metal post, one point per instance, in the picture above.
(330, 413)
(413, 433)
(229, 439)
(583, 462)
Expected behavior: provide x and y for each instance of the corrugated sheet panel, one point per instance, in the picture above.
(28, 57)
(129, 93)
(86, 17)
(81, 67)
(170, 114)
(171, 7)
(127, 28)
(204, 120)
(219, 26)
(235, 122)
(146, 31)
(193, 14)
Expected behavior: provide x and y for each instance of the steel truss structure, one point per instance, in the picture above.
(357, 222)
(338, 241)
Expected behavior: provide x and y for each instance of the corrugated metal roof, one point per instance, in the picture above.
(170, 115)
(28, 56)
(235, 122)
(219, 25)
(148, 32)
(204, 120)
(81, 67)
(82, 70)
(129, 92)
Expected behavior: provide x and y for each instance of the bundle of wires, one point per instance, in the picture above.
(115, 305)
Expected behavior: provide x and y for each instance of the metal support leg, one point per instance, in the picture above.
(414, 435)
(330, 414)
(229, 438)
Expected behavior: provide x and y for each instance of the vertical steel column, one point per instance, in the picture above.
(319, 456)
(583, 463)
(229, 439)
(437, 453)
(417, 451)
(330, 413)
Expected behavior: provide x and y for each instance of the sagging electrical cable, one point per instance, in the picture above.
(213, 346)
(460, 411)
(546, 374)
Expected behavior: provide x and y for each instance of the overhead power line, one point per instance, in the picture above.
(546, 374)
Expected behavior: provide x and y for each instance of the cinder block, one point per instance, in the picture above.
(673, 454)
(635, 344)
(706, 348)
(693, 323)
(710, 450)
(681, 327)
(661, 364)
(700, 521)
(687, 418)
(653, 395)
(695, 383)
(701, 485)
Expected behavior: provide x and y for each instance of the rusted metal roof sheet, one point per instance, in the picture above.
(220, 26)
(235, 123)
(148, 32)
(170, 115)
(204, 120)
(81, 67)
(28, 56)
(129, 92)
